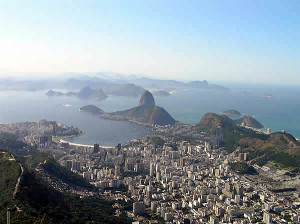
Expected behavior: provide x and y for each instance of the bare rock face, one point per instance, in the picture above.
(147, 100)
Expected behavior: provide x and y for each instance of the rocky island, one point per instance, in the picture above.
(92, 109)
(85, 93)
(161, 93)
(231, 113)
(54, 93)
(145, 113)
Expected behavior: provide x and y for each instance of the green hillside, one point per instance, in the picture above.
(37, 202)
(9, 173)
(10, 143)
(280, 150)
(53, 168)
(232, 133)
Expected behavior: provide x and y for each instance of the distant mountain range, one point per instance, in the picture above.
(110, 83)
(85, 93)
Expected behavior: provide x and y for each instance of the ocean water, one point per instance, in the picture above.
(19, 106)
(281, 112)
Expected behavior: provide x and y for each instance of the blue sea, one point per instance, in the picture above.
(280, 112)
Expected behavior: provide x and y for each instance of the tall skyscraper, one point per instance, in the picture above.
(151, 171)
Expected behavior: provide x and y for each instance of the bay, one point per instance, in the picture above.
(279, 112)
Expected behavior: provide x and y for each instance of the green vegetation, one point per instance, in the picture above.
(280, 149)
(92, 109)
(10, 143)
(231, 132)
(9, 173)
(284, 190)
(146, 115)
(249, 122)
(243, 168)
(157, 141)
(47, 162)
(94, 209)
(36, 202)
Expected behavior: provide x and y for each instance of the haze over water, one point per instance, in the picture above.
(188, 106)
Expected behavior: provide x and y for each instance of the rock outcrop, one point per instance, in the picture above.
(147, 99)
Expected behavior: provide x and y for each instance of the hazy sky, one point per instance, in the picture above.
(255, 40)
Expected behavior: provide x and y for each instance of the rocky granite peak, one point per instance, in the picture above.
(147, 99)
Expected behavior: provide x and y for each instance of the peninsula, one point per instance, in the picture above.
(249, 121)
(145, 113)
(231, 113)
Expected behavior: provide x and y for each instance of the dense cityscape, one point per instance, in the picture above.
(166, 180)
(149, 112)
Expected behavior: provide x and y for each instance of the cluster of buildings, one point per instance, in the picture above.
(183, 183)
(179, 181)
(39, 133)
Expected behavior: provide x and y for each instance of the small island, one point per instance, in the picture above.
(161, 93)
(92, 109)
(267, 96)
(231, 113)
(85, 93)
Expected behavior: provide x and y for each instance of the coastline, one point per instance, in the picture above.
(60, 139)
(82, 145)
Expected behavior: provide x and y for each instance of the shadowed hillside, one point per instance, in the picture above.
(37, 202)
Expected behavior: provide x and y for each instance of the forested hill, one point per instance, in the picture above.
(280, 150)
(32, 200)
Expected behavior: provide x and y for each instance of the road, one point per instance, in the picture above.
(19, 179)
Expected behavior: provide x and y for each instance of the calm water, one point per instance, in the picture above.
(33, 106)
(278, 113)
(281, 112)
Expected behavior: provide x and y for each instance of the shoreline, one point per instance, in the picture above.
(83, 145)
(60, 139)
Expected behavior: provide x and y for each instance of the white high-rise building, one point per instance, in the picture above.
(151, 171)
(267, 218)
